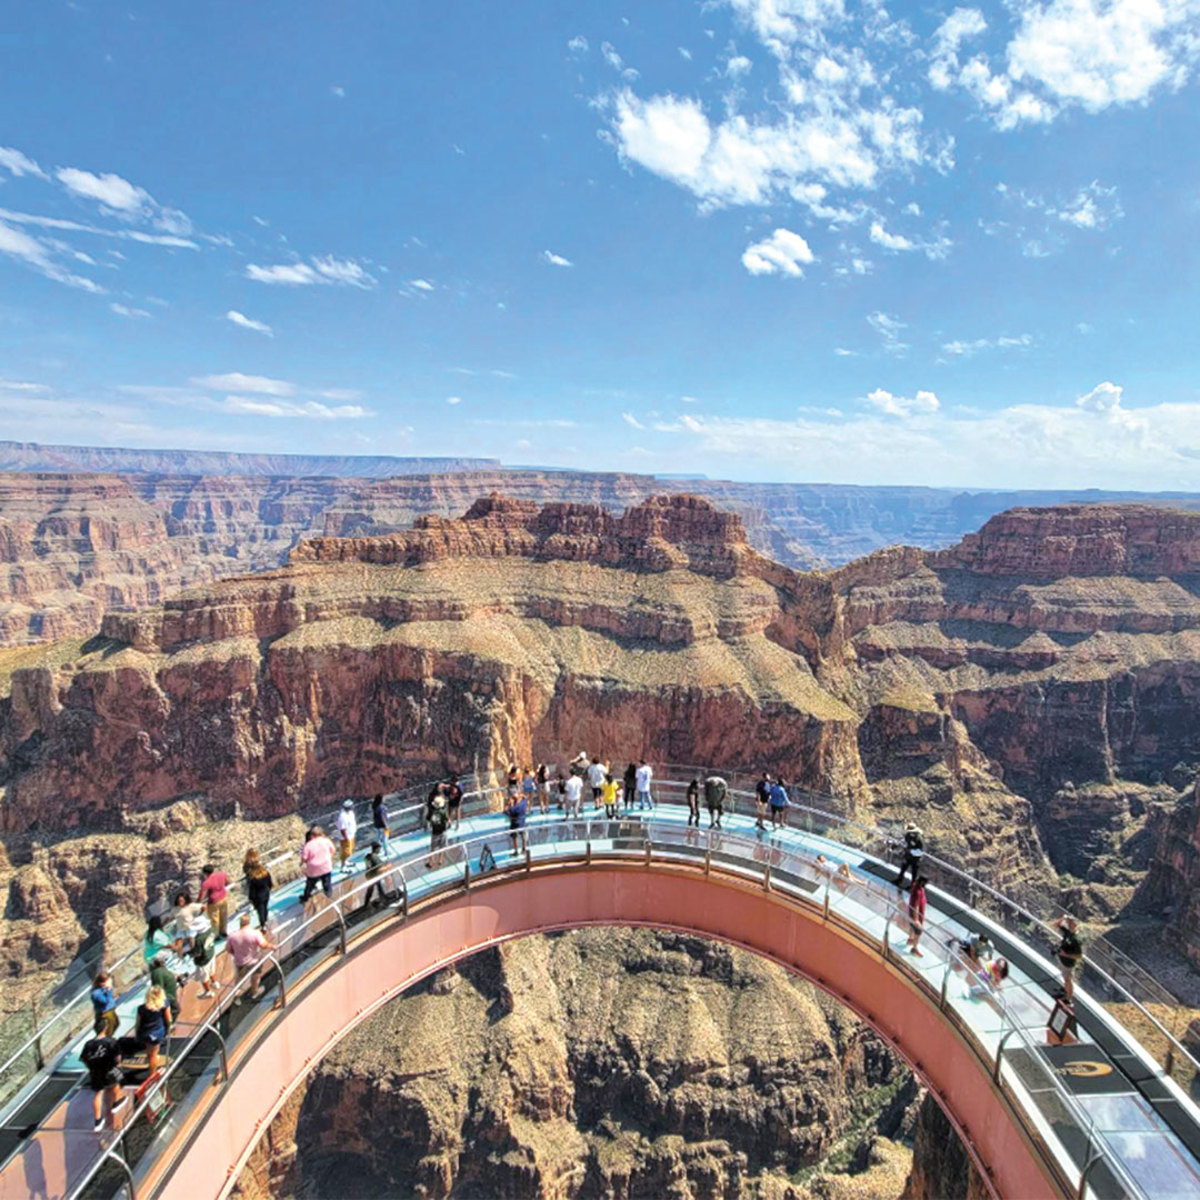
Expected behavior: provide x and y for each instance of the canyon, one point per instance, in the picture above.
(87, 529)
(1029, 694)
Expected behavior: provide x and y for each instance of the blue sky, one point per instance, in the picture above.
(760, 239)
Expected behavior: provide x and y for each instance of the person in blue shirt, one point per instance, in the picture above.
(104, 1006)
(777, 798)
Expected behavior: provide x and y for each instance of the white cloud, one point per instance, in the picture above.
(685, 53)
(780, 254)
(922, 404)
(249, 323)
(16, 163)
(171, 240)
(889, 329)
(631, 420)
(123, 310)
(964, 349)
(738, 66)
(109, 190)
(326, 270)
(338, 91)
(453, 399)
(578, 44)
(235, 381)
(312, 410)
(842, 352)
(1104, 397)
(422, 285)
(35, 253)
(889, 241)
(556, 260)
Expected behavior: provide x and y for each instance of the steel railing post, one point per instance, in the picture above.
(337, 908)
(467, 873)
(945, 985)
(224, 1053)
(1000, 1058)
(825, 912)
(589, 851)
(887, 939)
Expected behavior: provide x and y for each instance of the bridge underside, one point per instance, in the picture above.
(329, 1003)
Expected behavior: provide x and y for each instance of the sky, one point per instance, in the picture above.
(795, 240)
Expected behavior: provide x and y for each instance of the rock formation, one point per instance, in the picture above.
(603, 1063)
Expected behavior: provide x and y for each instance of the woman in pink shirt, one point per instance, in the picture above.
(317, 860)
(916, 915)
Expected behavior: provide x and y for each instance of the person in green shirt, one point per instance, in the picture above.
(162, 976)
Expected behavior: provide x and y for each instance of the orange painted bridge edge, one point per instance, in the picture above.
(326, 1006)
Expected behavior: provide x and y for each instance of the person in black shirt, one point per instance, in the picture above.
(454, 799)
(1070, 954)
(693, 801)
(914, 850)
(379, 821)
(102, 1057)
(258, 885)
(630, 785)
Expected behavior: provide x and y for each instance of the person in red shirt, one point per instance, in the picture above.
(214, 895)
(916, 915)
(246, 947)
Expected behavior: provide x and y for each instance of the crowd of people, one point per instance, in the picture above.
(186, 943)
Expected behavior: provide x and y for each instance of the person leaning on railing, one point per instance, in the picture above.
(1070, 954)
(104, 1006)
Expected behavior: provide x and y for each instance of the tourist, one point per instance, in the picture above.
(436, 793)
(573, 794)
(162, 976)
(258, 886)
(155, 940)
(1070, 954)
(762, 790)
(777, 801)
(715, 791)
(529, 788)
(693, 802)
(102, 1058)
(597, 773)
(203, 954)
(630, 786)
(560, 787)
(150, 1026)
(214, 895)
(518, 809)
(976, 949)
(913, 852)
(104, 1006)
(645, 773)
(514, 781)
(246, 947)
(439, 822)
(347, 827)
(374, 863)
(916, 915)
(612, 794)
(317, 860)
(543, 788)
(454, 799)
(379, 821)
(988, 978)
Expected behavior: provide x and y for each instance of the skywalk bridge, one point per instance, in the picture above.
(1113, 1115)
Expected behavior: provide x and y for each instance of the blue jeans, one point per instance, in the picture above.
(645, 800)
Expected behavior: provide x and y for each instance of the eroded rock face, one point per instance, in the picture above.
(597, 1063)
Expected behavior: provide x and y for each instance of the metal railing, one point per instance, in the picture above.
(329, 929)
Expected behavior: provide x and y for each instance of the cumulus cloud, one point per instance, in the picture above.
(556, 260)
(17, 164)
(1024, 443)
(578, 44)
(780, 254)
(235, 381)
(1090, 54)
(119, 197)
(921, 404)
(317, 270)
(249, 323)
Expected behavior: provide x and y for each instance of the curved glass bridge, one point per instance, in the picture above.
(1113, 1114)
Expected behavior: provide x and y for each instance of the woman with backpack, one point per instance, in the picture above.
(194, 935)
(258, 886)
(439, 821)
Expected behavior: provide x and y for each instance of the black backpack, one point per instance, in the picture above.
(439, 818)
(98, 1052)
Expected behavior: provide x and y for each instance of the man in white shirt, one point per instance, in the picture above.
(573, 791)
(644, 775)
(347, 824)
(597, 774)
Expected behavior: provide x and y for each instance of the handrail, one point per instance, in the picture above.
(302, 934)
(460, 850)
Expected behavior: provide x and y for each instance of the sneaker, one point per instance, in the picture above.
(98, 1125)
(120, 1104)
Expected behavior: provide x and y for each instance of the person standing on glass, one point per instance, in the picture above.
(454, 799)
(258, 885)
(642, 779)
(693, 803)
(379, 820)
(914, 850)
(1070, 954)
(518, 810)
(916, 915)
(715, 791)
(317, 860)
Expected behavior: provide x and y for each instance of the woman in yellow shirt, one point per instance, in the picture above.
(612, 796)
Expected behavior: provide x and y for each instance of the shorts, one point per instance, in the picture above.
(437, 841)
(99, 1080)
(1069, 966)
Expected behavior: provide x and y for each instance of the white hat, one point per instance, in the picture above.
(347, 803)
